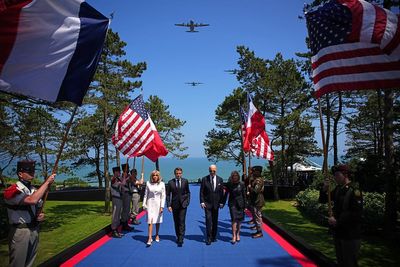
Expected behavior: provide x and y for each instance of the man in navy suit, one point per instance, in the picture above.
(178, 199)
(211, 199)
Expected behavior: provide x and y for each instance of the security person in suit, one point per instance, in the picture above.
(23, 202)
(211, 199)
(346, 220)
(178, 199)
(256, 198)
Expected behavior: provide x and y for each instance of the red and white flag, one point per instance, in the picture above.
(355, 46)
(135, 133)
(255, 137)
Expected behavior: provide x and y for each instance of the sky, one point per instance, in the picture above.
(174, 56)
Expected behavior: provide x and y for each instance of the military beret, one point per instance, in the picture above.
(341, 168)
(26, 166)
(125, 167)
(257, 168)
(116, 169)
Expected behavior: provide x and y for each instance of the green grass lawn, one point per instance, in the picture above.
(67, 222)
(375, 250)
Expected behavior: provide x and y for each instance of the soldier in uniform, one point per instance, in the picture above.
(346, 220)
(126, 198)
(256, 196)
(23, 202)
(135, 186)
(247, 180)
(116, 193)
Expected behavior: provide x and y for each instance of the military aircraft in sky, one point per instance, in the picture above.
(194, 83)
(192, 25)
(234, 71)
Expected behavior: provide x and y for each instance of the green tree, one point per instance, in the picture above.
(224, 143)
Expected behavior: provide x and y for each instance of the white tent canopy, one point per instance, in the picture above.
(306, 165)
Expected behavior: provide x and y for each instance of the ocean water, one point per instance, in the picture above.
(193, 168)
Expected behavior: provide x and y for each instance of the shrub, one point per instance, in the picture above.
(373, 209)
(308, 204)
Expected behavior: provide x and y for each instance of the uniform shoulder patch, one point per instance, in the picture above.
(11, 192)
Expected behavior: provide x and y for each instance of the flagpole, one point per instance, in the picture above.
(325, 166)
(142, 171)
(241, 142)
(64, 140)
(134, 162)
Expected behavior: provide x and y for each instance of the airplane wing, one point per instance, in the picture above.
(201, 25)
(182, 24)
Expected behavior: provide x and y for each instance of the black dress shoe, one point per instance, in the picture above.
(208, 242)
(214, 240)
(115, 234)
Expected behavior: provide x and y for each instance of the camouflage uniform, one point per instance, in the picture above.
(257, 202)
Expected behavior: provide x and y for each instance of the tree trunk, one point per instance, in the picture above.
(380, 131)
(274, 181)
(107, 198)
(335, 130)
(117, 157)
(98, 172)
(390, 173)
(283, 140)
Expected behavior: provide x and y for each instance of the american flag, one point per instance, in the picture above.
(255, 138)
(355, 46)
(135, 134)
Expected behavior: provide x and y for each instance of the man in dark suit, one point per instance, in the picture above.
(178, 199)
(211, 198)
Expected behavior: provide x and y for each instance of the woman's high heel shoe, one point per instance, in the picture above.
(149, 242)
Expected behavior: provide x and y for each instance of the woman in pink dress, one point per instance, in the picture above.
(153, 202)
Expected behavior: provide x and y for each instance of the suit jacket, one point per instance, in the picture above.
(237, 195)
(176, 199)
(212, 198)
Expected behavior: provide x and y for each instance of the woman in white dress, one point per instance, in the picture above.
(153, 202)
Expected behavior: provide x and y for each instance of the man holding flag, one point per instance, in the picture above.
(256, 141)
(355, 45)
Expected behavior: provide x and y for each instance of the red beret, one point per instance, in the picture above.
(341, 168)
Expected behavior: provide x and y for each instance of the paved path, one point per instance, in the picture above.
(131, 250)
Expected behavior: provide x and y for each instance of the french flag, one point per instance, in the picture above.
(49, 49)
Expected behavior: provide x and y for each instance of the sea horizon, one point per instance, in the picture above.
(194, 168)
